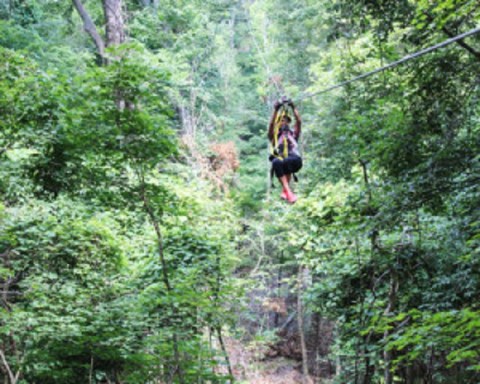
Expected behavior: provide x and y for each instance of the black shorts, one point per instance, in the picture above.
(291, 164)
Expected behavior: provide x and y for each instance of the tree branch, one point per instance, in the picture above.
(462, 43)
(158, 232)
(90, 28)
(156, 225)
(450, 34)
(13, 379)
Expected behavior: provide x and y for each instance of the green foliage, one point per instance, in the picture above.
(65, 264)
(117, 257)
(455, 333)
(81, 148)
(386, 223)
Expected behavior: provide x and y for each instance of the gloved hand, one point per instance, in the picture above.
(277, 105)
(290, 103)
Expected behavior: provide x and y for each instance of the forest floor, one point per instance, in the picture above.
(250, 366)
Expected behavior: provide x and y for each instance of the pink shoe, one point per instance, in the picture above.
(292, 198)
(284, 195)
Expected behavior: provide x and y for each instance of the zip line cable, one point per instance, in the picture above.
(395, 63)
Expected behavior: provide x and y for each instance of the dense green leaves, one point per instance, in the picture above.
(81, 150)
(116, 249)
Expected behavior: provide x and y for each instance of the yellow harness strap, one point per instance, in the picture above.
(275, 138)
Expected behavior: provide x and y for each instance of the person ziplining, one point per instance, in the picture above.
(285, 157)
(284, 153)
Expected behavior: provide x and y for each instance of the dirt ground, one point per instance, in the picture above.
(251, 367)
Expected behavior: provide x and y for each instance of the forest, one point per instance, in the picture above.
(143, 239)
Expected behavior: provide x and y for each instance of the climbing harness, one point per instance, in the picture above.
(274, 144)
(279, 145)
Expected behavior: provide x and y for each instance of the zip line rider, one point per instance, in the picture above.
(285, 155)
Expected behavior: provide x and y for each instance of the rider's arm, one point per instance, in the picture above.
(298, 122)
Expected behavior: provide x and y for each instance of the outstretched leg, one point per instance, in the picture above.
(279, 167)
(287, 193)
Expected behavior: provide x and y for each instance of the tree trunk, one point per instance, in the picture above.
(90, 375)
(114, 25)
(301, 331)
(368, 367)
(387, 355)
(279, 287)
(225, 353)
(317, 353)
